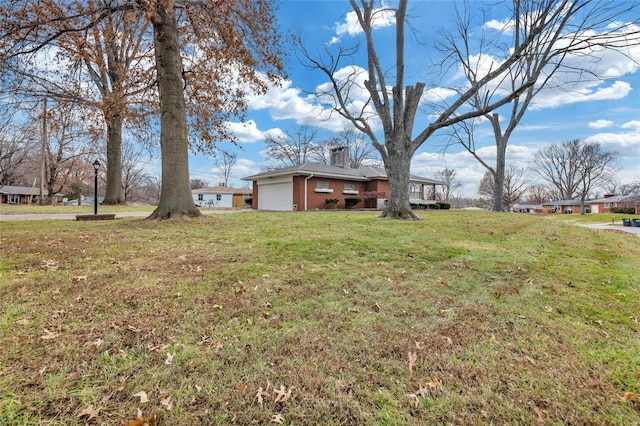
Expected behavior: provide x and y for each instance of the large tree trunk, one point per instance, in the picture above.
(175, 197)
(398, 171)
(498, 178)
(114, 188)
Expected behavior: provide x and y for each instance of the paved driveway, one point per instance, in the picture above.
(628, 229)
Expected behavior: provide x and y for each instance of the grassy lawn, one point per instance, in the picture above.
(320, 318)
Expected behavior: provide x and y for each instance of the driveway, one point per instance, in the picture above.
(119, 215)
(628, 229)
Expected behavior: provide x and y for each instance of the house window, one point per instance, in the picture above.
(200, 197)
(349, 186)
(218, 197)
(415, 191)
(323, 186)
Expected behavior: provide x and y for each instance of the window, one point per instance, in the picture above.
(323, 186)
(350, 188)
(218, 197)
(200, 197)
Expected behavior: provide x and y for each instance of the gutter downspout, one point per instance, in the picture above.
(305, 190)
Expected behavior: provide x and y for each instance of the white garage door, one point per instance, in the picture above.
(275, 196)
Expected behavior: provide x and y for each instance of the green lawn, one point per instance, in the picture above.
(320, 318)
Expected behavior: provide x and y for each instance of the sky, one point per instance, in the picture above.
(607, 112)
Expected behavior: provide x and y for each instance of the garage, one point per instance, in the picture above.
(275, 194)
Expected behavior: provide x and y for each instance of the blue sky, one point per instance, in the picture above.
(607, 112)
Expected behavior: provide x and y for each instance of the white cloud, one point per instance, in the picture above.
(600, 124)
(382, 17)
(248, 132)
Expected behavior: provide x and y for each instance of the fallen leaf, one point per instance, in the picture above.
(50, 335)
(23, 321)
(90, 412)
(447, 340)
(141, 421)
(143, 396)
(413, 357)
(277, 418)
(283, 395)
(628, 396)
(169, 359)
(79, 278)
(414, 397)
(260, 394)
(167, 402)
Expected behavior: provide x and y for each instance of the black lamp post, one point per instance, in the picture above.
(96, 166)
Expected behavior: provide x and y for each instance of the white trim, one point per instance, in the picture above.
(351, 191)
(325, 190)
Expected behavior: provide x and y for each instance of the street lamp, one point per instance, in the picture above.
(96, 166)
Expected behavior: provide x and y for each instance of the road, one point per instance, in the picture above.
(628, 229)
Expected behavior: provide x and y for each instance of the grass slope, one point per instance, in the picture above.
(319, 318)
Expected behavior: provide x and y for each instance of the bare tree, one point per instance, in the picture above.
(515, 186)
(198, 183)
(548, 65)
(538, 194)
(396, 105)
(227, 43)
(451, 183)
(16, 148)
(293, 148)
(575, 168)
(224, 164)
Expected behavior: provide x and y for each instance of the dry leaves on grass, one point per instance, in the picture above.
(429, 388)
(629, 396)
(90, 412)
(143, 397)
(277, 418)
(140, 421)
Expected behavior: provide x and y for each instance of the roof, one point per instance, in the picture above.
(527, 206)
(20, 190)
(335, 172)
(617, 199)
(222, 190)
(565, 203)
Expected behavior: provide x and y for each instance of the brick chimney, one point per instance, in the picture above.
(340, 157)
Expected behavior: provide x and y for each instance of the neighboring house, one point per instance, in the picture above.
(527, 208)
(605, 204)
(307, 186)
(19, 194)
(220, 196)
(564, 206)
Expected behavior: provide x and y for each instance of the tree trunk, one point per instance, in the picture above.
(175, 197)
(114, 188)
(398, 171)
(498, 178)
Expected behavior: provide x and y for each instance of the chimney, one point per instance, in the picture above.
(608, 195)
(340, 157)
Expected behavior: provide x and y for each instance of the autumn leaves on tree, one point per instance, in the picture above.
(180, 59)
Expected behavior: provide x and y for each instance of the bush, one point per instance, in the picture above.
(248, 201)
(444, 206)
(330, 202)
(623, 210)
(351, 201)
(433, 206)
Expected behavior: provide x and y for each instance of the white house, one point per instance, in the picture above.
(221, 196)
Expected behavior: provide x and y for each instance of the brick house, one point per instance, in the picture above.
(307, 186)
(20, 194)
(605, 204)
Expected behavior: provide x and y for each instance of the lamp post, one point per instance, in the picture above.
(96, 166)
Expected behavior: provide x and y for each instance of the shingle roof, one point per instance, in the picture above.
(325, 170)
(20, 190)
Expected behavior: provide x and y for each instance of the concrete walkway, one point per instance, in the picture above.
(628, 229)
(119, 215)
